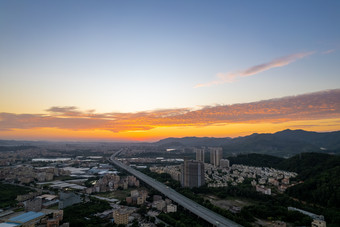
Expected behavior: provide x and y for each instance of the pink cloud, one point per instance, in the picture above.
(279, 62)
(312, 106)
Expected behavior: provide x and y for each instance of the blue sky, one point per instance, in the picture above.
(129, 56)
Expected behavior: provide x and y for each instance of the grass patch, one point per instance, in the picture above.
(8, 194)
(119, 194)
(83, 214)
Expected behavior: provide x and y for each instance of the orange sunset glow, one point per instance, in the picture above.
(315, 111)
(232, 130)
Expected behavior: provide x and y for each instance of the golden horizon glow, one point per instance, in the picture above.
(319, 111)
(155, 134)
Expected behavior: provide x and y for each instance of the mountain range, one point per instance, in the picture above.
(283, 143)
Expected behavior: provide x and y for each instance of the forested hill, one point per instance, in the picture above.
(319, 173)
(305, 164)
(310, 164)
(285, 143)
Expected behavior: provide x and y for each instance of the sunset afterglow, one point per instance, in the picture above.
(144, 71)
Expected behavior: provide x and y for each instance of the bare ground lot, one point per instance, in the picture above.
(119, 194)
(239, 202)
(228, 203)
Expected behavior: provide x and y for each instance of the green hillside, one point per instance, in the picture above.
(320, 176)
(320, 173)
(256, 160)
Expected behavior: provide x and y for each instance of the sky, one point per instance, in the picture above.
(147, 70)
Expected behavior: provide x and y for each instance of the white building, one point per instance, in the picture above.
(171, 208)
(224, 163)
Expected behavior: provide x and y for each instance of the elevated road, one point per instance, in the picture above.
(206, 214)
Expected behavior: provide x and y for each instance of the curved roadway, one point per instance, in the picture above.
(201, 211)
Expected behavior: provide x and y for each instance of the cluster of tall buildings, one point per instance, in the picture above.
(216, 155)
(193, 170)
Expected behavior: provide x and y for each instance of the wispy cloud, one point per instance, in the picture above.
(279, 62)
(68, 110)
(312, 106)
(328, 51)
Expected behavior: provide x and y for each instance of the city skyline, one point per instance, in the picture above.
(143, 71)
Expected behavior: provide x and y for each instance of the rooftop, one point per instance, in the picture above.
(8, 224)
(26, 217)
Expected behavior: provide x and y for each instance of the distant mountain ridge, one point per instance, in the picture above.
(284, 143)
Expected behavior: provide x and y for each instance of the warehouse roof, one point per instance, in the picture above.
(26, 217)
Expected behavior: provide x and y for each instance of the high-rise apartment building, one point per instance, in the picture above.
(192, 174)
(216, 155)
(199, 154)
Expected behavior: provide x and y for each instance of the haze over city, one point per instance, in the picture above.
(147, 70)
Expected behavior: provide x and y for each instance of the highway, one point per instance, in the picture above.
(206, 214)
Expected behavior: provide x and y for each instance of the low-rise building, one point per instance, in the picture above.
(224, 163)
(33, 204)
(121, 216)
(26, 219)
(263, 190)
(59, 214)
(159, 205)
(68, 199)
(52, 223)
(318, 223)
(171, 208)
